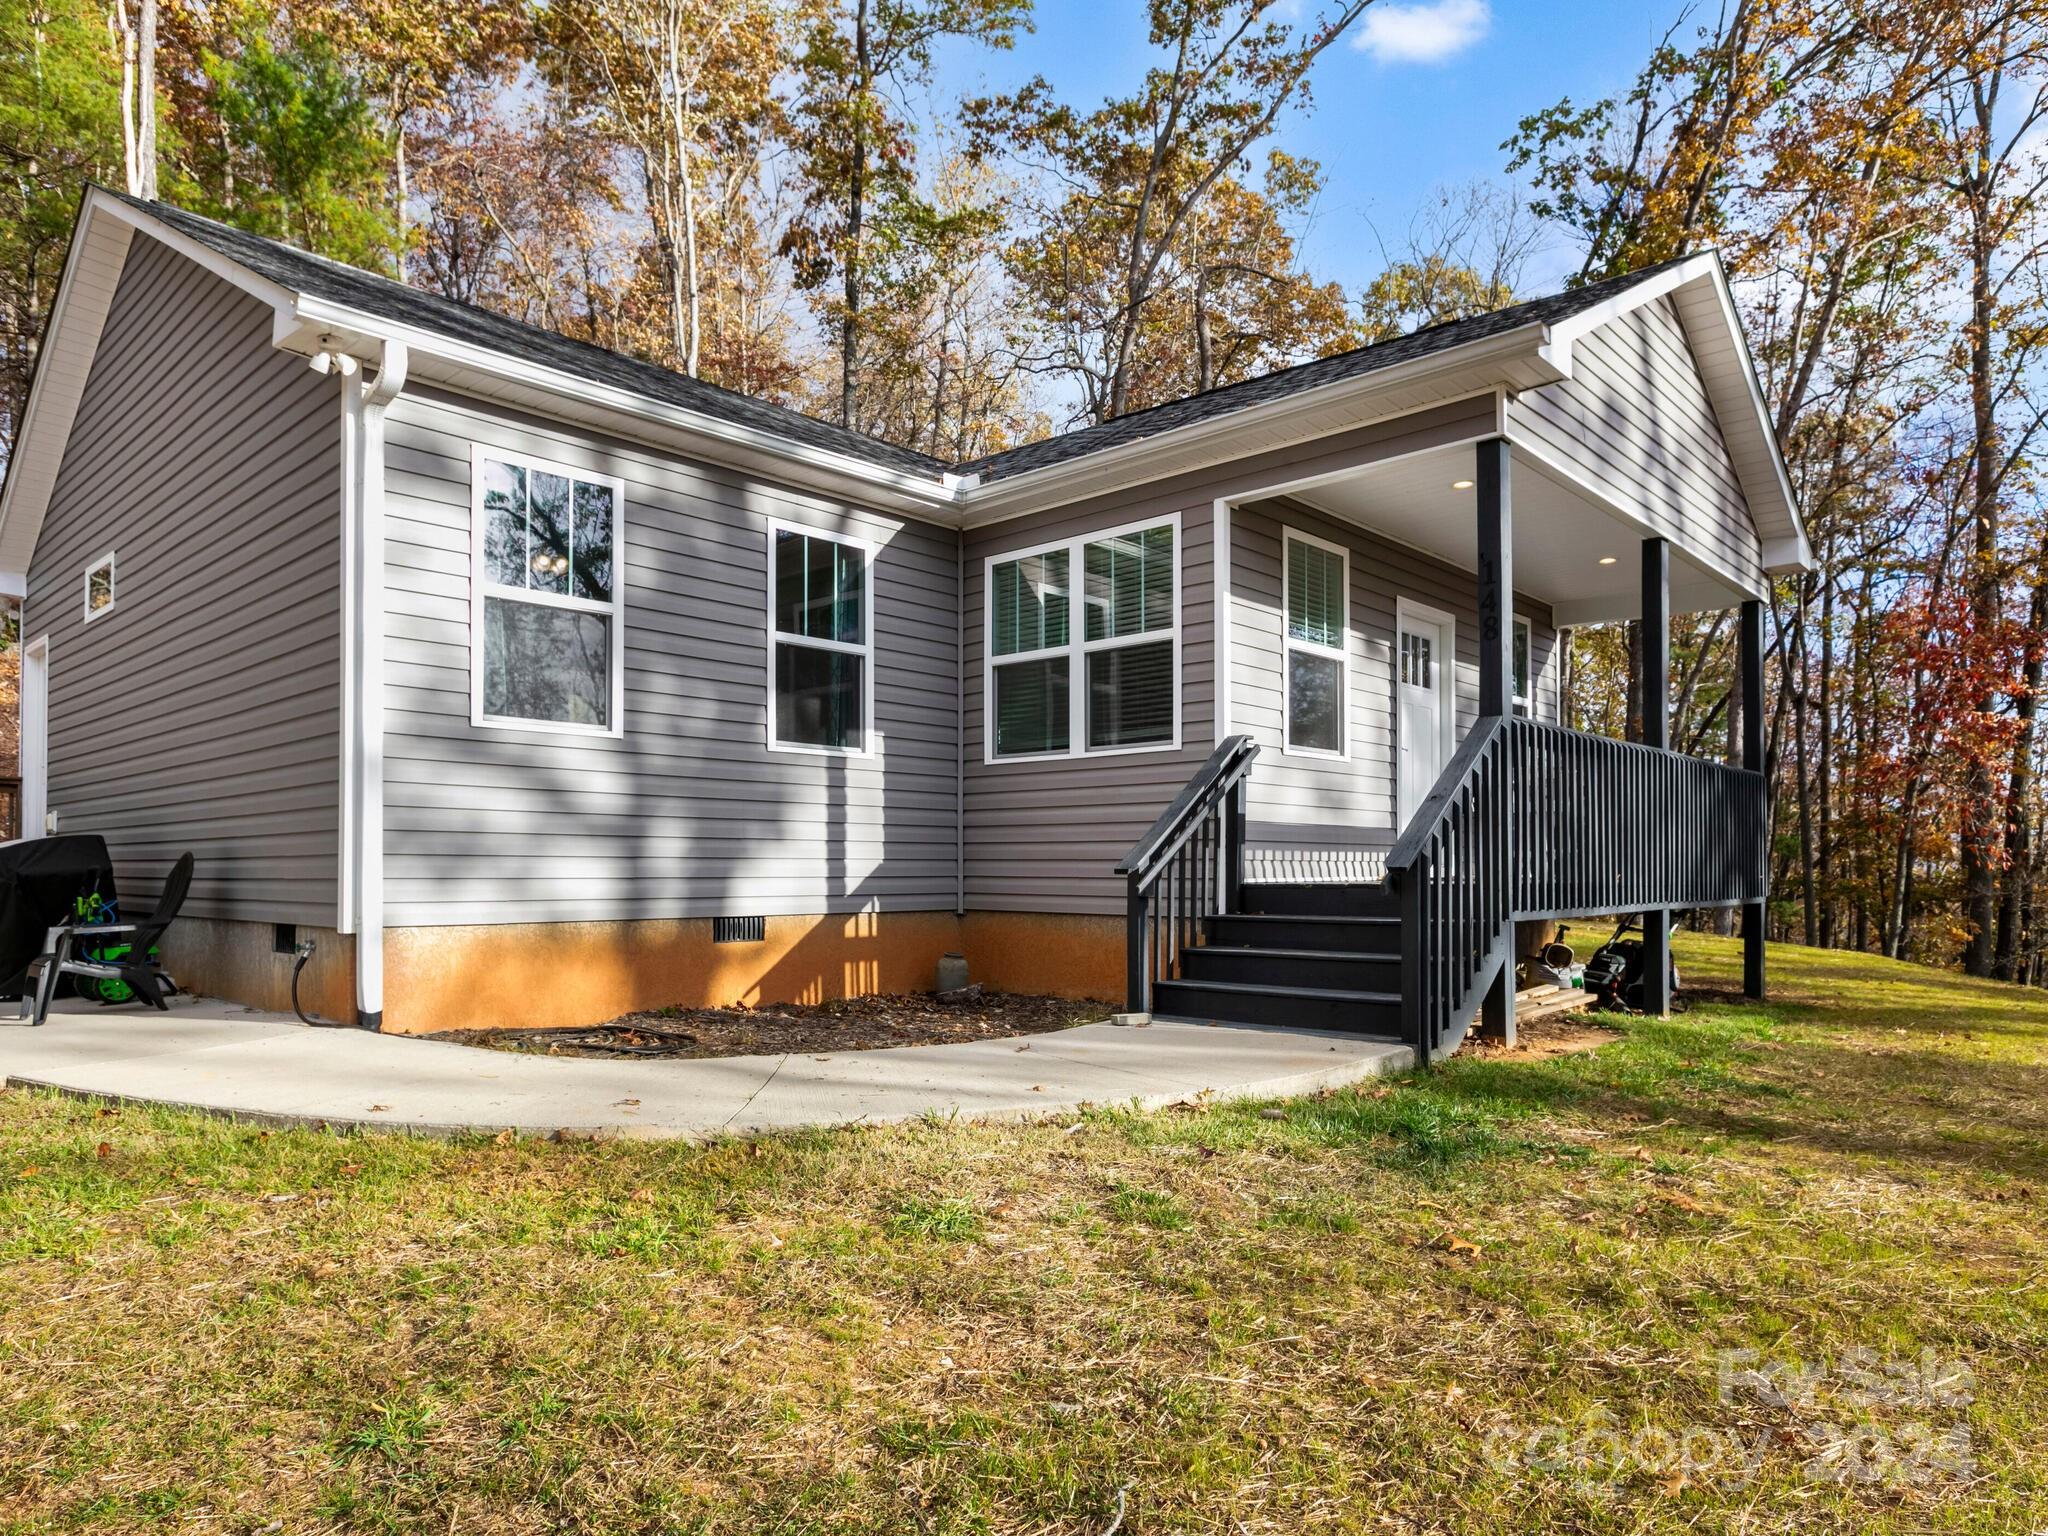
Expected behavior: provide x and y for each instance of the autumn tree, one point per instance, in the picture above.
(861, 58)
(1125, 181)
(59, 127)
(1464, 255)
(681, 88)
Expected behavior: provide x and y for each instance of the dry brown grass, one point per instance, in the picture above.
(1319, 1322)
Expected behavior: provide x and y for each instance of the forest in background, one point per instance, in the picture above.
(777, 196)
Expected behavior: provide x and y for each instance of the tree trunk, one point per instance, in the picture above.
(856, 218)
(2019, 859)
(1980, 796)
(145, 104)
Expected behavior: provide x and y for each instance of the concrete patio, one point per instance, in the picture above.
(224, 1059)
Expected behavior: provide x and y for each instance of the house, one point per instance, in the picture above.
(535, 683)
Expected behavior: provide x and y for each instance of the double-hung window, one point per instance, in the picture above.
(821, 677)
(1318, 576)
(1525, 666)
(547, 601)
(1083, 645)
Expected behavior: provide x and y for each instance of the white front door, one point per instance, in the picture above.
(1421, 675)
(35, 738)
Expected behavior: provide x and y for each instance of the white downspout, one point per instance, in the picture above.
(363, 403)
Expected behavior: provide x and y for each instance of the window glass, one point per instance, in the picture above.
(542, 662)
(1130, 695)
(504, 524)
(1031, 601)
(818, 696)
(819, 587)
(592, 552)
(1315, 594)
(547, 657)
(1130, 583)
(1315, 702)
(99, 588)
(1031, 706)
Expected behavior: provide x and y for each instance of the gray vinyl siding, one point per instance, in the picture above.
(203, 710)
(1344, 811)
(1045, 834)
(689, 814)
(1635, 422)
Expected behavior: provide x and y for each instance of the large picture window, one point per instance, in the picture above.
(547, 609)
(822, 673)
(1083, 641)
(1316, 649)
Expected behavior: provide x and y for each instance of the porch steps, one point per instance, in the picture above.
(1307, 956)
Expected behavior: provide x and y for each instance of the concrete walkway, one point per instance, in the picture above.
(229, 1060)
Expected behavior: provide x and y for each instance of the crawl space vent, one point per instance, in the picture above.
(738, 930)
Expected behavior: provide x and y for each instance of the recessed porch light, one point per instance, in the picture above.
(1607, 559)
(1461, 485)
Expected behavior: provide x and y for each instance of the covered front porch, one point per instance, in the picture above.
(1390, 732)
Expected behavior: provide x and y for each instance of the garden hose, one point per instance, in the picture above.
(305, 953)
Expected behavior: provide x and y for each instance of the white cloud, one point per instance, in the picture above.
(1425, 32)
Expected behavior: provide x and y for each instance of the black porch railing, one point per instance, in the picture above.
(1614, 826)
(1187, 869)
(1533, 821)
(1451, 876)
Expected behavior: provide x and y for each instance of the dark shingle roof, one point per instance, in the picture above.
(321, 278)
(1139, 425)
(289, 267)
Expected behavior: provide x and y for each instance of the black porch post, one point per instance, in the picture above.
(1656, 693)
(1752, 661)
(1496, 684)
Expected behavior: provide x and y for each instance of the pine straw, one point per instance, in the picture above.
(1244, 1324)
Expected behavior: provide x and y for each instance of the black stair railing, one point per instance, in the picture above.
(1451, 879)
(1536, 821)
(1188, 868)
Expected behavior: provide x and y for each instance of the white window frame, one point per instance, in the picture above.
(869, 735)
(105, 562)
(1526, 702)
(1341, 654)
(480, 589)
(1077, 649)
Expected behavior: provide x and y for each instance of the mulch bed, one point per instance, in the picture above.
(852, 1024)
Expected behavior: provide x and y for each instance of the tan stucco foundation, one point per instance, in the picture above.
(548, 974)
(222, 957)
(559, 974)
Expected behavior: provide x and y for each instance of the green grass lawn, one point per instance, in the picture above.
(1499, 1298)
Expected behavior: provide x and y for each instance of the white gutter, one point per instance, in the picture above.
(361, 888)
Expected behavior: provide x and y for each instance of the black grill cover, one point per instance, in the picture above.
(40, 883)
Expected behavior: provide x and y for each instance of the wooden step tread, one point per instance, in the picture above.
(1268, 989)
(1369, 956)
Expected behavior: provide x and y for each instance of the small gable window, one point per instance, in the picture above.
(99, 586)
(547, 602)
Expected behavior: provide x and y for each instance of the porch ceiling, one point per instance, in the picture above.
(1561, 533)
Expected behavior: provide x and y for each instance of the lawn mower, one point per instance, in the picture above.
(1614, 975)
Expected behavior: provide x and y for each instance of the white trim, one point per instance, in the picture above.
(360, 894)
(481, 589)
(1339, 653)
(1523, 701)
(864, 649)
(1078, 648)
(33, 726)
(1446, 688)
(1220, 606)
(93, 568)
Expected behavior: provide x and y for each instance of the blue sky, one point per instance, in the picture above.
(1421, 98)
